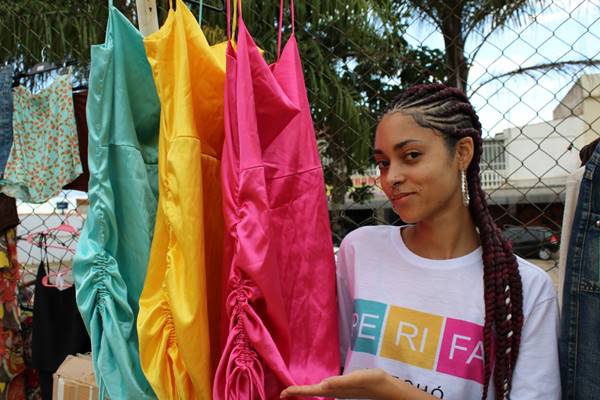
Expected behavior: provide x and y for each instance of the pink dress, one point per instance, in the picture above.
(279, 263)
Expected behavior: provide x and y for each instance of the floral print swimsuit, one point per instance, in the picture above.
(45, 153)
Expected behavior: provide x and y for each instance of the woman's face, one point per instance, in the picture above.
(419, 173)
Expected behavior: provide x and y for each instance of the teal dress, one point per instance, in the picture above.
(123, 113)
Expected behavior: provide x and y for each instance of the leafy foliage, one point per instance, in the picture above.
(355, 60)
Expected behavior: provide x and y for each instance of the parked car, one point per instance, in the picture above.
(533, 241)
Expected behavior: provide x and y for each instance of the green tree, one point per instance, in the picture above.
(459, 21)
(61, 28)
(354, 56)
(477, 20)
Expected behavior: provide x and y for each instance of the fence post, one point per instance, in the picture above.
(147, 16)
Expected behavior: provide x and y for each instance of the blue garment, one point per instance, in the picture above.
(6, 111)
(579, 343)
(123, 112)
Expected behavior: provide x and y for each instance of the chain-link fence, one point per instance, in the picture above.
(529, 68)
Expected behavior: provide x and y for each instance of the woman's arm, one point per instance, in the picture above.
(373, 384)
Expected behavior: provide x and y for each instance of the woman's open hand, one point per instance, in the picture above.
(361, 384)
(373, 384)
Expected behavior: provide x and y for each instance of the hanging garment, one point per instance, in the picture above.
(57, 329)
(571, 194)
(180, 306)
(79, 102)
(12, 361)
(281, 301)
(45, 155)
(586, 151)
(580, 320)
(6, 111)
(8, 213)
(33, 390)
(112, 254)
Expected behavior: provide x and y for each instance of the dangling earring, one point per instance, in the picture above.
(464, 187)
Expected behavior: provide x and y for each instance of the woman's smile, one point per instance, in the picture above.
(400, 199)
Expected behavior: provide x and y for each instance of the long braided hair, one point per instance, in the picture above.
(448, 111)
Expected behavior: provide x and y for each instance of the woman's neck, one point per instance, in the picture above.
(451, 234)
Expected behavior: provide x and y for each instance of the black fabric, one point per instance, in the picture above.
(79, 102)
(8, 213)
(58, 329)
(46, 383)
(586, 151)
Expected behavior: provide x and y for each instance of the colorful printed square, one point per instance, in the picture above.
(367, 325)
(462, 352)
(411, 337)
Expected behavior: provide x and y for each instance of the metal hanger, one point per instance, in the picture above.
(209, 6)
(43, 67)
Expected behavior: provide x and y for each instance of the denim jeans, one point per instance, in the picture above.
(6, 110)
(579, 342)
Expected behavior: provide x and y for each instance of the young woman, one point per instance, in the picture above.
(440, 308)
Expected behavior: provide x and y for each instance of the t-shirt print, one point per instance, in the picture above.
(421, 320)
(433, 342)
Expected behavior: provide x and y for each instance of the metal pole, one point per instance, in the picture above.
(147, 16)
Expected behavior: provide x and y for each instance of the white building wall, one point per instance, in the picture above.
(539, 156)
(591, 108)
(542, 154)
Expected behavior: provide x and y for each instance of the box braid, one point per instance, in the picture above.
(448, 111)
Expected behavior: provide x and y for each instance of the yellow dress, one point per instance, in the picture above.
(180, 307)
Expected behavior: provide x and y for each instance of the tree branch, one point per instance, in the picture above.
(561, 66)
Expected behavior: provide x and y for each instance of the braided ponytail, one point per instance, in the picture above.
(448, 111)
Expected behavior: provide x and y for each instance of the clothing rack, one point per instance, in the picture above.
(209, 6)
(148, 17)
(20, 75)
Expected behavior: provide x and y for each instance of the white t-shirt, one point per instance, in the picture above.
(421, 320)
